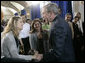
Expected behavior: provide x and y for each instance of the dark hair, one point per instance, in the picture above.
(28, 20)
(78, 13)
(24, 15)
(32, 25)
(76, 17)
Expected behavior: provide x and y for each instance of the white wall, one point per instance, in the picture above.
(77, 6)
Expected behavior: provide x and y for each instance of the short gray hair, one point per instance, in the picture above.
(52, 7)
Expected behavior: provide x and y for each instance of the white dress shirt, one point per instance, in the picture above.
(25, 31)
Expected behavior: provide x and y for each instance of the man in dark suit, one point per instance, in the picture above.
(60, 36)
(78, 42)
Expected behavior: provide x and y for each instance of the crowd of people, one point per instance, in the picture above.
(47, 39)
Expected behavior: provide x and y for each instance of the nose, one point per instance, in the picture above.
(37, 25)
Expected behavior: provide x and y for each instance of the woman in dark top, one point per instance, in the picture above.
(40, 46)
(38, 37)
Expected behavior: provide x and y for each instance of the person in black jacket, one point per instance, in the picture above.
(60, 36)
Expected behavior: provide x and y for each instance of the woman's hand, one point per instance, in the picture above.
(38, 57)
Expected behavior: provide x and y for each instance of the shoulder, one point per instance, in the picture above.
(10, 34)
(59, 21)
(32, 34)
(6, 41)
(8, 37)
(61, 25)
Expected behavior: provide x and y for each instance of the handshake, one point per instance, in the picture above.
(36, 56)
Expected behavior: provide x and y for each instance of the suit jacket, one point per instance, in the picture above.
(61, 42)
(9, 48)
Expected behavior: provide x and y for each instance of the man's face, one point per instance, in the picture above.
(45, 15)
(76, 19)
(68, 18)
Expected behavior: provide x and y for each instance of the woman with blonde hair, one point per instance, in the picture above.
(10, 41)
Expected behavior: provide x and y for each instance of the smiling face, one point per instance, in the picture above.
(20, 24)
(46, 16)
(68, 18)
(76, 19)
(37, 25)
